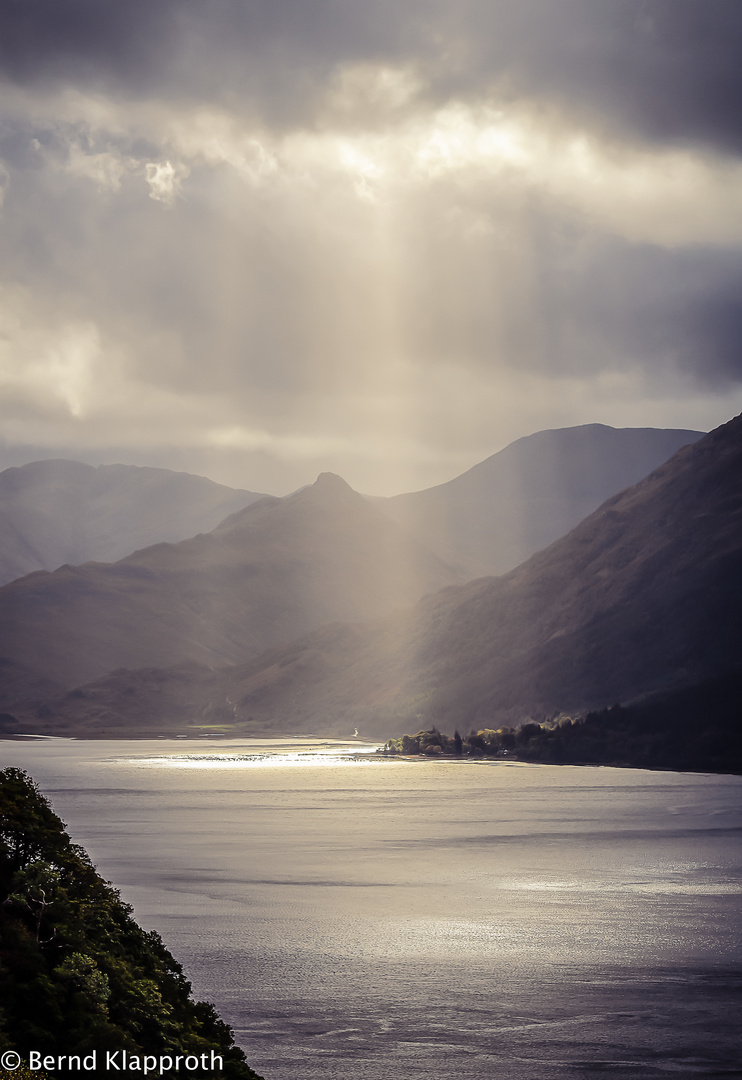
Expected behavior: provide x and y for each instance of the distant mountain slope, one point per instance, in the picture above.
(57, 512)
(268, 573)
(644, 596)
(497, 514)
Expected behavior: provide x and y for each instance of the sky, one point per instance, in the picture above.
(261, 239)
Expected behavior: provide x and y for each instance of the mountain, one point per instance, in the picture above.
(495, 515)
(265, 575)
(644, 597)
(485, 521)
(57, 512)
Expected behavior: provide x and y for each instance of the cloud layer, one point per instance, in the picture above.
(263, 239)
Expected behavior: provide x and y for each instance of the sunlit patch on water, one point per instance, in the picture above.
(283, 759)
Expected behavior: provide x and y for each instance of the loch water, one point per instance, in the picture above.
(446, 920)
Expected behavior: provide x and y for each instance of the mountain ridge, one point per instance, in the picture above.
(269, 572)
(58, 512)
(643, 597)
(502, 510)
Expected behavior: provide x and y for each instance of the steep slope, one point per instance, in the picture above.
(270, 572)
(57, 512)
(493, 517)
(644, 596)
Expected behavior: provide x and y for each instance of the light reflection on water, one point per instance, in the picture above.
(272, 759)
(354, 918)
(686, 888)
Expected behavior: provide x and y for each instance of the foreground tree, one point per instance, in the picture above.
(77, 973)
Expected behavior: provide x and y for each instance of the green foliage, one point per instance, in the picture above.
(81, 973)
(695, 728)
(23, 1073)
(77, 973)
(28, 827)
(485, 742)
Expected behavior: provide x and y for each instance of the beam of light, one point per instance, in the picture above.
(374, 262)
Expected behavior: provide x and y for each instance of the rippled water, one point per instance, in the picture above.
(437, 919)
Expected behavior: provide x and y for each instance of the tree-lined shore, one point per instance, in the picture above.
(695, 729)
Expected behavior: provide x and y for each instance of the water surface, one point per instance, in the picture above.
(438, 919)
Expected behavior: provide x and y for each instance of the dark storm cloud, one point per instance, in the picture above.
(655, 69)
(680, 309)
(41, 39)
(709, 328)
(662, 69)
(270, 52)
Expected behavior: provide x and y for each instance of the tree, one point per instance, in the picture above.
(76, 971)
(28, 827)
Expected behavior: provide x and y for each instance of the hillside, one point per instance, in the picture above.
(497, 514)
(79, 975)
(643, 597)
(57, 512)
(267, 574)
